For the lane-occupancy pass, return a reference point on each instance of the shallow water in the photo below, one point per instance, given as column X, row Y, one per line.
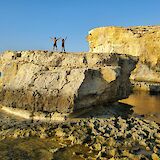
column 145, row 104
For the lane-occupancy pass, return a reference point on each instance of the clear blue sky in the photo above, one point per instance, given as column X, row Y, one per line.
column 28, row 24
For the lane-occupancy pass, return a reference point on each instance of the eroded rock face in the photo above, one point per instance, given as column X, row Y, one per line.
column 55, row 82
column 141, row 41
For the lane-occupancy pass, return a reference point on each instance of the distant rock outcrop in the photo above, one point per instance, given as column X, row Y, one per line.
column 54, row 82
column 141, row 41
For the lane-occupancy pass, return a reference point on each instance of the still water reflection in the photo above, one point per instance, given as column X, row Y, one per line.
column 144, row 103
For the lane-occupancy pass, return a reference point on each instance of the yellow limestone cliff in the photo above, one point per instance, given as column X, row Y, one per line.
column 141, row 41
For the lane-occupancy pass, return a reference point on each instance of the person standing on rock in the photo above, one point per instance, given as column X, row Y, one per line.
column 55, row 43
column 63, row 44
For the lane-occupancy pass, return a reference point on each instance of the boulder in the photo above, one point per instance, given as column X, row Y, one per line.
column 55, row 82
column 141, row 41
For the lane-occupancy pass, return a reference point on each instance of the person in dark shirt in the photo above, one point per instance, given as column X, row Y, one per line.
column 63, row 44
column 55, row 43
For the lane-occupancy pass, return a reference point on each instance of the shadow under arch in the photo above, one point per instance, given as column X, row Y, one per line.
column 117, row 109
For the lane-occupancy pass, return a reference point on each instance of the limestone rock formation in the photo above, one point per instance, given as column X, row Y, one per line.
column 55, row 82
column 141, row 41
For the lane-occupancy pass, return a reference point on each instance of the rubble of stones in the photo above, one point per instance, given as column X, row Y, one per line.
column 118, row 138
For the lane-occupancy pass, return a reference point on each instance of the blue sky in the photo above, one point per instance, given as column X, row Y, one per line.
column 28, row 24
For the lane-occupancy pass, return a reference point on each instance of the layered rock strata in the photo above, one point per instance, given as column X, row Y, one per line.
column 141, row 41
column 54, row 82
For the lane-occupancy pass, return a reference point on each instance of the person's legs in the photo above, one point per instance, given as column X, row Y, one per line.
column 54, row 47
column 63, row 49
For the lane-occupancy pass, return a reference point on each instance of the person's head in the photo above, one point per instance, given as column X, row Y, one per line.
column 54, row 37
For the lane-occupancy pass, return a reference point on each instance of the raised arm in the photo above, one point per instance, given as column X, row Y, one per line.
column 65, row 38
column 58, row 38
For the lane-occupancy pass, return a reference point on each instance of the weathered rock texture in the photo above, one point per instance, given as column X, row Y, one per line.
column 54, row 82
column 141, row 41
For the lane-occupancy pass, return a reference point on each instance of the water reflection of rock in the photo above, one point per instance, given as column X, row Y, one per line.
column 145, row 104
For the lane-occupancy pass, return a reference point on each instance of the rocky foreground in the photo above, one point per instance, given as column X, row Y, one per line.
column 86, row 138
column 140, row 41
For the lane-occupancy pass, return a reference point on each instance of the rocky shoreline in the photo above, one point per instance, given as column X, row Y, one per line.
column 101, row 138
column 152, row 87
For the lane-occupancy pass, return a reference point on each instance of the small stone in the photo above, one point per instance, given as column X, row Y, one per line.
column 15, row 135
column 157, row 135
column 155, row 156
column 101, row 129
column 71, row 138
column 100, row 139
column 143, row 143
column 134, row 136
column 97, row 146
column 112, row 152
column 55, row 150
column 111, row 142
column 147, row 148
column 27, row 134
column 157, row 141
column 106, row 135
column 43, row 135
column 59, row 132
column 129, row 155
column 155, row 149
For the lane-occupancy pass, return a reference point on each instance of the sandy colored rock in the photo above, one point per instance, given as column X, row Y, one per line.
column 141, row 41
column 155, row 156
column 135, row 41
column 55, row 82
